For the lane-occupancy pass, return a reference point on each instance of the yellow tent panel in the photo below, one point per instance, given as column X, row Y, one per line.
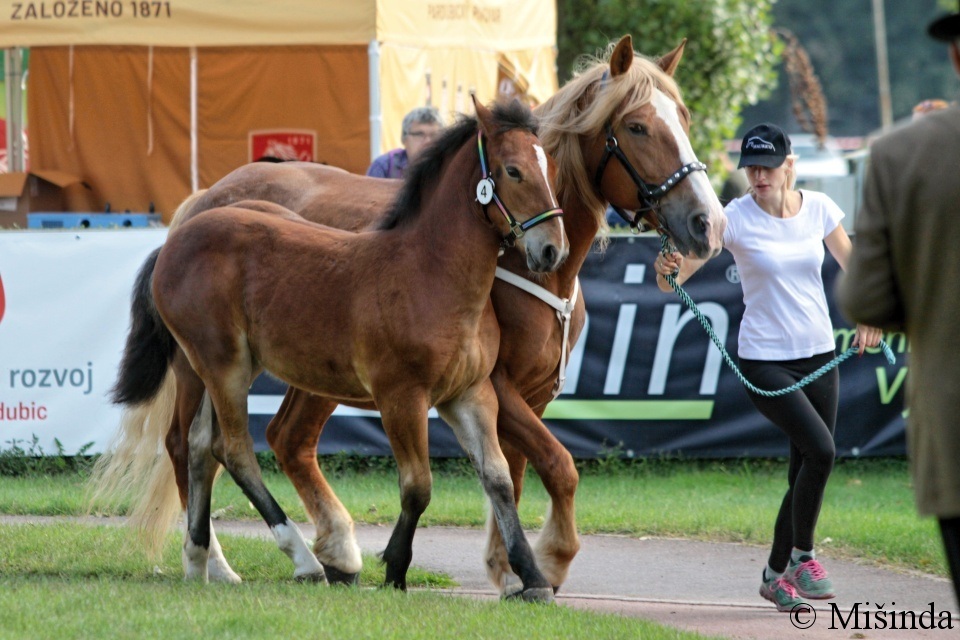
column 147, row 109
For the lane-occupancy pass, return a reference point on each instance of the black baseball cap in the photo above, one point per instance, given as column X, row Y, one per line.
column 766, row 145
column 946, row 27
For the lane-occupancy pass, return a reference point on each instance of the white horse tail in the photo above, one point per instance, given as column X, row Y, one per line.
column 137, row 472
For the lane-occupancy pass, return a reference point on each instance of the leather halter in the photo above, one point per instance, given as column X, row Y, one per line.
column 517, row 229
column 648, row 194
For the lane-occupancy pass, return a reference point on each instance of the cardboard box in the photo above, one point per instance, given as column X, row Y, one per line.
column 23, row 192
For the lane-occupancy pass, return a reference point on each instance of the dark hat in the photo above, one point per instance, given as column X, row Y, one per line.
column 766, row 145
column 946, row 27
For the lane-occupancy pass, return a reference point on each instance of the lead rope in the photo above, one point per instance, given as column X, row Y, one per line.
column 671, row 280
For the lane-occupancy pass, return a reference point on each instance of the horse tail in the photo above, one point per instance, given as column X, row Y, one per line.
column 135, row 469
column 150, row 345
column 136, row 472
column 185, row 209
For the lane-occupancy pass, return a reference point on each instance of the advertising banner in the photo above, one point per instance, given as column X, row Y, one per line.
column 643, row 380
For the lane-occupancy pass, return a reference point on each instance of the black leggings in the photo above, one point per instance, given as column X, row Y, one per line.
column 808, row 417
column 950, row 530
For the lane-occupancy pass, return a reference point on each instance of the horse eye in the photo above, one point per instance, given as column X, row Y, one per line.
column 637, row 129
column 513, row 172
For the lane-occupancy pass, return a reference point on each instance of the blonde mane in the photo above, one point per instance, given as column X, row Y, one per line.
column 583, row 107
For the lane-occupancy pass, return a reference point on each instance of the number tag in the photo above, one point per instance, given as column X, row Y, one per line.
column 485, row 191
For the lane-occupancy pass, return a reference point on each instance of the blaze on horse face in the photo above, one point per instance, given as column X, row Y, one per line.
column 653, row 137
column 524, row 175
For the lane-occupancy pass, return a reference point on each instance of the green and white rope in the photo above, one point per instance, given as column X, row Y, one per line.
column 671, row 280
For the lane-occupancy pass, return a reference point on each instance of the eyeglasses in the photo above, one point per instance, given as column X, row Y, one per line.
column 421, row 134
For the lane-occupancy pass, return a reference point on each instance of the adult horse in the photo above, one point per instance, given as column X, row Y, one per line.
column 619, row 134
column 320, row 308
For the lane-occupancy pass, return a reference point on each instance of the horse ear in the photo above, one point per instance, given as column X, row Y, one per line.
column 622, row 56
column 669, row 62
column 484, row 117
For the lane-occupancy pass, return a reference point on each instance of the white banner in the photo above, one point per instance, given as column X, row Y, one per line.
column 64, row 317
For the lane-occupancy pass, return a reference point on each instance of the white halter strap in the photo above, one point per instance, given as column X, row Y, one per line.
column 563, row 306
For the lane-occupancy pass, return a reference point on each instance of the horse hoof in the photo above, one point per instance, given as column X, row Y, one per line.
column 317, row 577
column 542, row 595
column 341, row 578
column 512, row 586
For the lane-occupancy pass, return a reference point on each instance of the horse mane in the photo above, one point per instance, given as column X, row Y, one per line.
column 584, row 106
column 426, row 170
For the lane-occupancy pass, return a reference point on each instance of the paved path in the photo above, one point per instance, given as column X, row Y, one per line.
column 699, row 586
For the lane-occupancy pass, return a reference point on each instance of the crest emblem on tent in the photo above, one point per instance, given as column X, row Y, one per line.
column 283, row 144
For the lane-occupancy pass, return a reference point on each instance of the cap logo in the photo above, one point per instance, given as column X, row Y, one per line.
column 758, row 143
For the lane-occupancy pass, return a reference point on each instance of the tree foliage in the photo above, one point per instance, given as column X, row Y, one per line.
column 842, row 50
column 729, row 61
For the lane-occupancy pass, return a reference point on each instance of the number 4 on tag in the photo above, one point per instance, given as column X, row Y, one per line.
column 485, row 191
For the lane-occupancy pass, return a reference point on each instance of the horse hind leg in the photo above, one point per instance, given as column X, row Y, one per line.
column 189, row 395
column 201, row 473
column 293, row 435
column 234, row 449
column 474, row 422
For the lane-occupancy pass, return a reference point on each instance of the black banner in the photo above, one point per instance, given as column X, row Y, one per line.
column 646, row 380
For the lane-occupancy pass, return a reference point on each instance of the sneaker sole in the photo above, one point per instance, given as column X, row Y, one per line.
column 781, row 608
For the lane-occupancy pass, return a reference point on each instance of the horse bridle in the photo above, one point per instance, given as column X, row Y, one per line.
column 648, row 194
column 487, row 192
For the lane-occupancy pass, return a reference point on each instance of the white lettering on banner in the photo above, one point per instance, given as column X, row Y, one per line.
column 67, row 310
column 670, row 328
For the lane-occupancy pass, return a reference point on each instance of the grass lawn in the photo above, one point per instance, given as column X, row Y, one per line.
column 868, row 510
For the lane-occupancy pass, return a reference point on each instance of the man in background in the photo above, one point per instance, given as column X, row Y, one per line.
column 419, row 128
column 903, row 276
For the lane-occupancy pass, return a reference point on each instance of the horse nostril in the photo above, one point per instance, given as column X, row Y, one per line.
column 698, row 225
column 549, row 255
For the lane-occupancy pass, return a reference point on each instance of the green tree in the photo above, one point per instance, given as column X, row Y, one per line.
column 729, row 61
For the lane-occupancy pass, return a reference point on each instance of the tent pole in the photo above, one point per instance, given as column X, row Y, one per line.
column 194, row 146
column 13, row 70
column 376, row 116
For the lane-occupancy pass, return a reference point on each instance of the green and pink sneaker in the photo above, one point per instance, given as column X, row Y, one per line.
column 781, row 593
column 810, row 579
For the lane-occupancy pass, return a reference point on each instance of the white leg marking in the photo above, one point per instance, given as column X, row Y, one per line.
column 194, row 561
column 292, row 543
column 218, row 569
column 341, row 549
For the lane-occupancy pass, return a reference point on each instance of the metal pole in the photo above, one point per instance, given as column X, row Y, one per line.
column 376, row 115
column 883, row 68
column 13, row 68
column 194, row 131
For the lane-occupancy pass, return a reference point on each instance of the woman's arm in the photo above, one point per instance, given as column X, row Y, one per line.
column 838, row 242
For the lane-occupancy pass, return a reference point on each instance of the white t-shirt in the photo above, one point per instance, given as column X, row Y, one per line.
column 780, row 261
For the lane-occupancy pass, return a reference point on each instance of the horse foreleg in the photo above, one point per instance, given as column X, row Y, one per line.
column 495, row 557
column 293, row 435
column 405, row 423
column 474, row 419
column 234, row 449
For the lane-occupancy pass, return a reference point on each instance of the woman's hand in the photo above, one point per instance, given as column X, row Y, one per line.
column 867, row 337
column 668, row 265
